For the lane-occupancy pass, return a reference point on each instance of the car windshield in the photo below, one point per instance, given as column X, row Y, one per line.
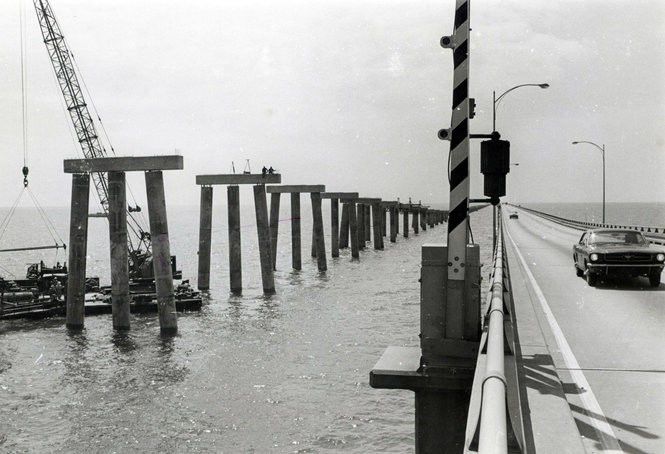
column 616, row 238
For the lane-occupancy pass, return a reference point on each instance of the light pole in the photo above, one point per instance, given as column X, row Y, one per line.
column 496, row 100
column 602, row 151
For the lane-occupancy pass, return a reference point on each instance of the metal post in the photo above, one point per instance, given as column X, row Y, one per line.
column 274, row 226
column 603, row 183
column 235, row 249
column 334, row 227
column 205, row 237
column 318, row 231
column 296, row 258
column 117, row 216
column 78, row 247
column 161, row 251
column 263, row 231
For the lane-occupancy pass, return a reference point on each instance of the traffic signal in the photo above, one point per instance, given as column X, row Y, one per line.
column 494, row 165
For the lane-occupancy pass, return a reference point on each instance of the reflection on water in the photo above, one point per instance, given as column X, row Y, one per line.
column 249, row 373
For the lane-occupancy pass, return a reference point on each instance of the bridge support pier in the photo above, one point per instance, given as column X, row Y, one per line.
column 441, row 371
column 344, row 227
column 296, row 258
column 119, row 256
column 360, row 220
column 405, row 229
column 263, row 230
column 205, row 237
column 235, row 250
column 78, row 248
column 274, row 226
column 334, row 227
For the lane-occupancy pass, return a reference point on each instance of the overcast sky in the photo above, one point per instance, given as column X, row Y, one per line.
column 349, row 94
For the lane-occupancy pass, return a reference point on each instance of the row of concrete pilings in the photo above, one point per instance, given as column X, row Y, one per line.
column 362, row 220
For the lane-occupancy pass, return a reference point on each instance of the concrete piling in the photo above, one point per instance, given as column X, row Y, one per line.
column 78, row 248
column 415, row 223
column 205, row 237
column 263, row 231
column 423, row 218
column 368, row 226
column 117, row 216
column 394, row 222
column 384, row 223
column 344, row 227
column 353, row 227
column 376, row 224
column 405, row 213
column 334, row 227
column 161, row 251
column 314, row 251
column 295, row 231
column 360, row 220
column 319, row 240
column 235, row 249
column 274, row 226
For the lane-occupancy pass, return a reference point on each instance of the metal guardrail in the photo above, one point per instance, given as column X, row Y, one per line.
column 655, row 235
column 493, row 431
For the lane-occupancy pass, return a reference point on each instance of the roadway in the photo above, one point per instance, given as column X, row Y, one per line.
column 606, row 342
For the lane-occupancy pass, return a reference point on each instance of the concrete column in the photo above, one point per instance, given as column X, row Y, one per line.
column 235, row 250
column 384, row 223
column 405, row 212
column 360, row 220
column 314, row 254
column 376, row 224
column 263, row 231
column 119, row 256
column 368, row 224
column 397, row 220
column 334, row 227
column 319, row 240
column 415, row 222
column 161, row 251
column 274, row 226
column 296, row 259
column 353, row 227
column 205, row 237
column 423, row 220
column 472, row 283
column 78, row 249
column 344, row 227
column 393, row 224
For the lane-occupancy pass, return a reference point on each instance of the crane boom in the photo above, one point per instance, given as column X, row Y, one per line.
column 84, row 127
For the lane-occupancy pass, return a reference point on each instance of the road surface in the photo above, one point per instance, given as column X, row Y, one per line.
column 606, row 341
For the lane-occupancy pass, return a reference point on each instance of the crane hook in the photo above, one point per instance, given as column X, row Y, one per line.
column 25, row 176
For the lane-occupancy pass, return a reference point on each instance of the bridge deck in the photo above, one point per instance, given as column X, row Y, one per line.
column 605, row 343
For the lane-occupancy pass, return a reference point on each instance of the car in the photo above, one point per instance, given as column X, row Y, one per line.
column 513, row 216
column 603, row 252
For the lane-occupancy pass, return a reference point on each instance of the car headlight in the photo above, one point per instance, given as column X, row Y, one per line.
column 593, row 257
column 660, row 257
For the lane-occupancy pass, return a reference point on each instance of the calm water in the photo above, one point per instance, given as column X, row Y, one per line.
column 287, row 373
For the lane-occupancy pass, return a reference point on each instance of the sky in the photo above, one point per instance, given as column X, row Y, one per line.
column 349, row 94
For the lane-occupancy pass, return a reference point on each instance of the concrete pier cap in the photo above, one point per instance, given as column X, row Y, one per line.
column 124, row 164
column 238, row 178
column 300, row 188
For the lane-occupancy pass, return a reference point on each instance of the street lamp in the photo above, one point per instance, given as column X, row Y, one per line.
column 496, row 100
column 602, row 150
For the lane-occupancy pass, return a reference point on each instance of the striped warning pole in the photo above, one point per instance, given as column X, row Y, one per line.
column 458, row 135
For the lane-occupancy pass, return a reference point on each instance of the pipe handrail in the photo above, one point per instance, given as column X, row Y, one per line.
column 493, row 436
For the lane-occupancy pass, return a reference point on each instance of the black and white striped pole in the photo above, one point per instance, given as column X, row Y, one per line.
column 441, row 371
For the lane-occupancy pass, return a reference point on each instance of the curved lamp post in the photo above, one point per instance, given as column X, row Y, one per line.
column 602, row 151
column 496, row 100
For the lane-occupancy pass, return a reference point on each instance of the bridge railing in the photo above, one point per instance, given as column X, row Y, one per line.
column 489, row 426
column 655, row 235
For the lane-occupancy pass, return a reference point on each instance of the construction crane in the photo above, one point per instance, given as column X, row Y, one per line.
column 86, row 132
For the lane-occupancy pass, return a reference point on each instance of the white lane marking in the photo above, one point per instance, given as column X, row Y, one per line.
column 595, row 414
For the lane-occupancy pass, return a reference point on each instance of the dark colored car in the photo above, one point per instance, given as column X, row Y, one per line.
column 603, row 252
column 513, row 216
